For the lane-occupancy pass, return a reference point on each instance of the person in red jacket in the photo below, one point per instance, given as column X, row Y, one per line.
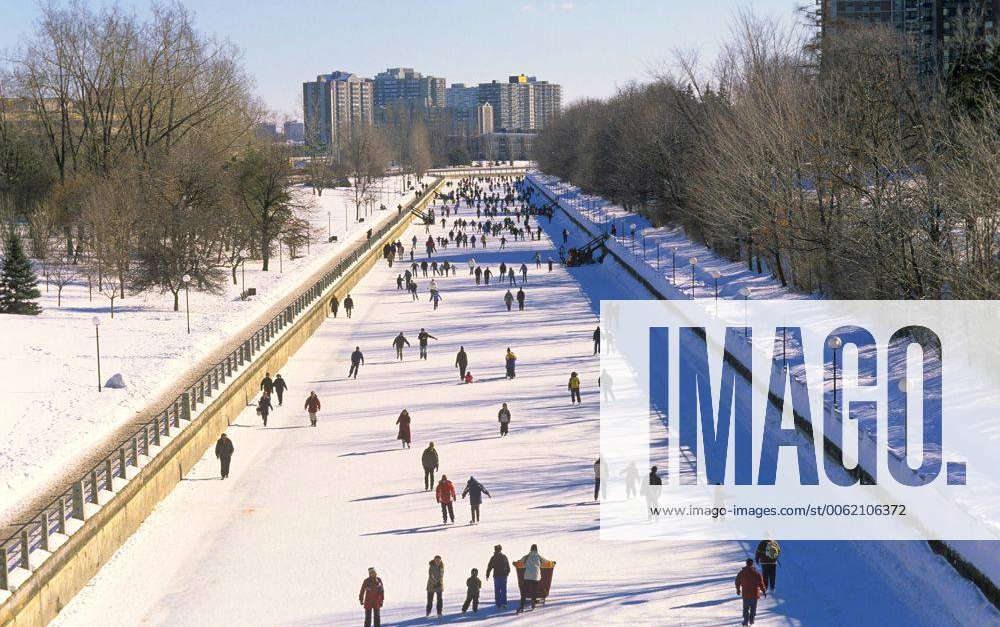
column 445, row 494
column 750, row 585
column 371, row 597
column 312, row 406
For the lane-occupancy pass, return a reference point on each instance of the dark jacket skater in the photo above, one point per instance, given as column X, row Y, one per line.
column 264, row 407
column 279, row 387
column 472, row 586
column 475, row 491
column 348, row 305
column 398, row 344
column 224, row 451
column 357, row 358
column 500, row 567
column 461, row 362
column 334, row 305
column 508, row 300
column 267, row 383
column 429, row 460
column 520, row 299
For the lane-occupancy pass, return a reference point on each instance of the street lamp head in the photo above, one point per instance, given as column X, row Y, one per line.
column 186, row 279
column 902, row 385
column 745, row 292
column 835, row 342
column 693, row 261
column 715, row 274
column 96, row 321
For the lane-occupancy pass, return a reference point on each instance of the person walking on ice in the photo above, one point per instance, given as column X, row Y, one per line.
column 508, row 300
column 334, row 305
column 472, row 586
column 435, row 584
column 404, row 428
column 357, row 359
column 264, row 407
column 767, row 554
column 398, row 344
column 279, row 388
column 224, row 451
column 510, row 360
column 520, row 299
column 631, row 474
column 597, row 340
column 574, row 388
column 267, row 384
column 312, row 406
column 600, row 472
column 475, row 491
column 750, row 586
column 461, row 362
column 500, row 567
column 445, row 496
column 435, row 299
column 429, row 460
column 503, row 417
column 422, row 338
column 532, row 577
column 371, row 597
column 348, row 305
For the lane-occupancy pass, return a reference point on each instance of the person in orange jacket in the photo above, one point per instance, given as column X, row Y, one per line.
column 371, row 597
column 312, row 406
column 445, row 494
column 750, row 585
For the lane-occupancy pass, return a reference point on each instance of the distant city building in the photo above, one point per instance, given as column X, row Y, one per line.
column 506, row 146
column 523, row 103
column 266, row 131
column 333, row 105
column 294, row 131
column 405, row 84
column 930, row 23
column 484, row 119
column 461, row 97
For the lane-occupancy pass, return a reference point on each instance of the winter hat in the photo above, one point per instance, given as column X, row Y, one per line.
column 497, row 548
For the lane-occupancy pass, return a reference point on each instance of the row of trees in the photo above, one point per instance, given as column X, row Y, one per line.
column 830, row 163
column 127, row 154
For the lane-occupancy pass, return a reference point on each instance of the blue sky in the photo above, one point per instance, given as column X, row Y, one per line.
column 588, row 46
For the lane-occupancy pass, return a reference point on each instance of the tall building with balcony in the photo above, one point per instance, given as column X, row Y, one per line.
column 335, row 104
column 409, row 86
column 523, row 103
column 484, row 119
column 930, row 24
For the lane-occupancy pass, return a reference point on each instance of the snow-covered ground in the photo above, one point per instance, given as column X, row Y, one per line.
column 53, row 414
column 288, row 538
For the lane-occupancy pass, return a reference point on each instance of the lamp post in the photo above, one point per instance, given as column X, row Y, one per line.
column 97, row 334
column 243, row 264
column 186, row 280
column 715, row 278
column 835, row 343
column 745, row 291
column 657, row 256
column 693, row 261
column 329, row 225
column 632, row 229
column 673, row 265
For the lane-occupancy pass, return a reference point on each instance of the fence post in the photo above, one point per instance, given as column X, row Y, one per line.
column 121, row 462
column 201, row 391
column 77, row 511
column 166, row 424
column 107, row 475
column 156, row 432
column 93, row 486
column 25, row 549
column 45, row 530
column 135, row 450
column 186, row 405
column 62, row 515
column 3, row 568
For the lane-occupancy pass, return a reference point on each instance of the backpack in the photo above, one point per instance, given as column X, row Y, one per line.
column 772, row 550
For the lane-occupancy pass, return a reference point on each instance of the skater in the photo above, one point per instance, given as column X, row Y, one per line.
column 600, row 470
column 510, row 276
column 279, row 388
column 357, row 359
column 631, row 474
column 224, row 451
column 750, row 586
column 435, row 584
column 412, row 289
column 597, row 340
column 532, row 576
column 524, row 274
column 574, row 388
column 565, row 235
column 500, row 567
column 652, row 489
column 371, row 597
column 486, row 276
column 550, row 264
column 423, row 336
column 348, row 305
column 436, row 299
column 503, row 417
column 267, row 384
column 510, row 359
column 312, row 406
column 472, row 586
column 475, row 491
column 767, row 554
column 461, row 362
column 520, row 300
column 404, row 428
column 538, row 261
column 479, row 275
column 445, row 496
column 508, row 300
column 398, row 343
column 468, row 377
column 334, row 305
column 429, row 460
column 264, row 406
column 399, row 281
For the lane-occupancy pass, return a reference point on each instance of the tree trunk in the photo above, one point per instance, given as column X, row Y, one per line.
column 264, row 253
column 177, row 298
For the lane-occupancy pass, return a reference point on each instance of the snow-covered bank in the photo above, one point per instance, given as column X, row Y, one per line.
column 54, row 414
column 713, row 275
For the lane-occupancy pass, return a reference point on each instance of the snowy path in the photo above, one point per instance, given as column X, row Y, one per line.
column 286, row 540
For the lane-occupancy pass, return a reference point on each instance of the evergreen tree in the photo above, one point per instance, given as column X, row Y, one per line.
column 18, row 283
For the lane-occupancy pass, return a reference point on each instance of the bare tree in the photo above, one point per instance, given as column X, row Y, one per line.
column 365, row 160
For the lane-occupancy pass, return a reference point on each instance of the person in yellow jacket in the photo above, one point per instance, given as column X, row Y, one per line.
column 574, row 388
column 511, row 361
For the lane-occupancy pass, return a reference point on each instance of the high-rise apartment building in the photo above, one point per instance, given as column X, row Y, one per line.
column 405, row 84
column 294, row 131
column 523, row 103
column 484, row 119
column 333, row 105
column 931, row 24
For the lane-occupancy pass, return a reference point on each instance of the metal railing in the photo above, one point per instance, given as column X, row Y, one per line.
column 479, row 171
column 71, row 505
